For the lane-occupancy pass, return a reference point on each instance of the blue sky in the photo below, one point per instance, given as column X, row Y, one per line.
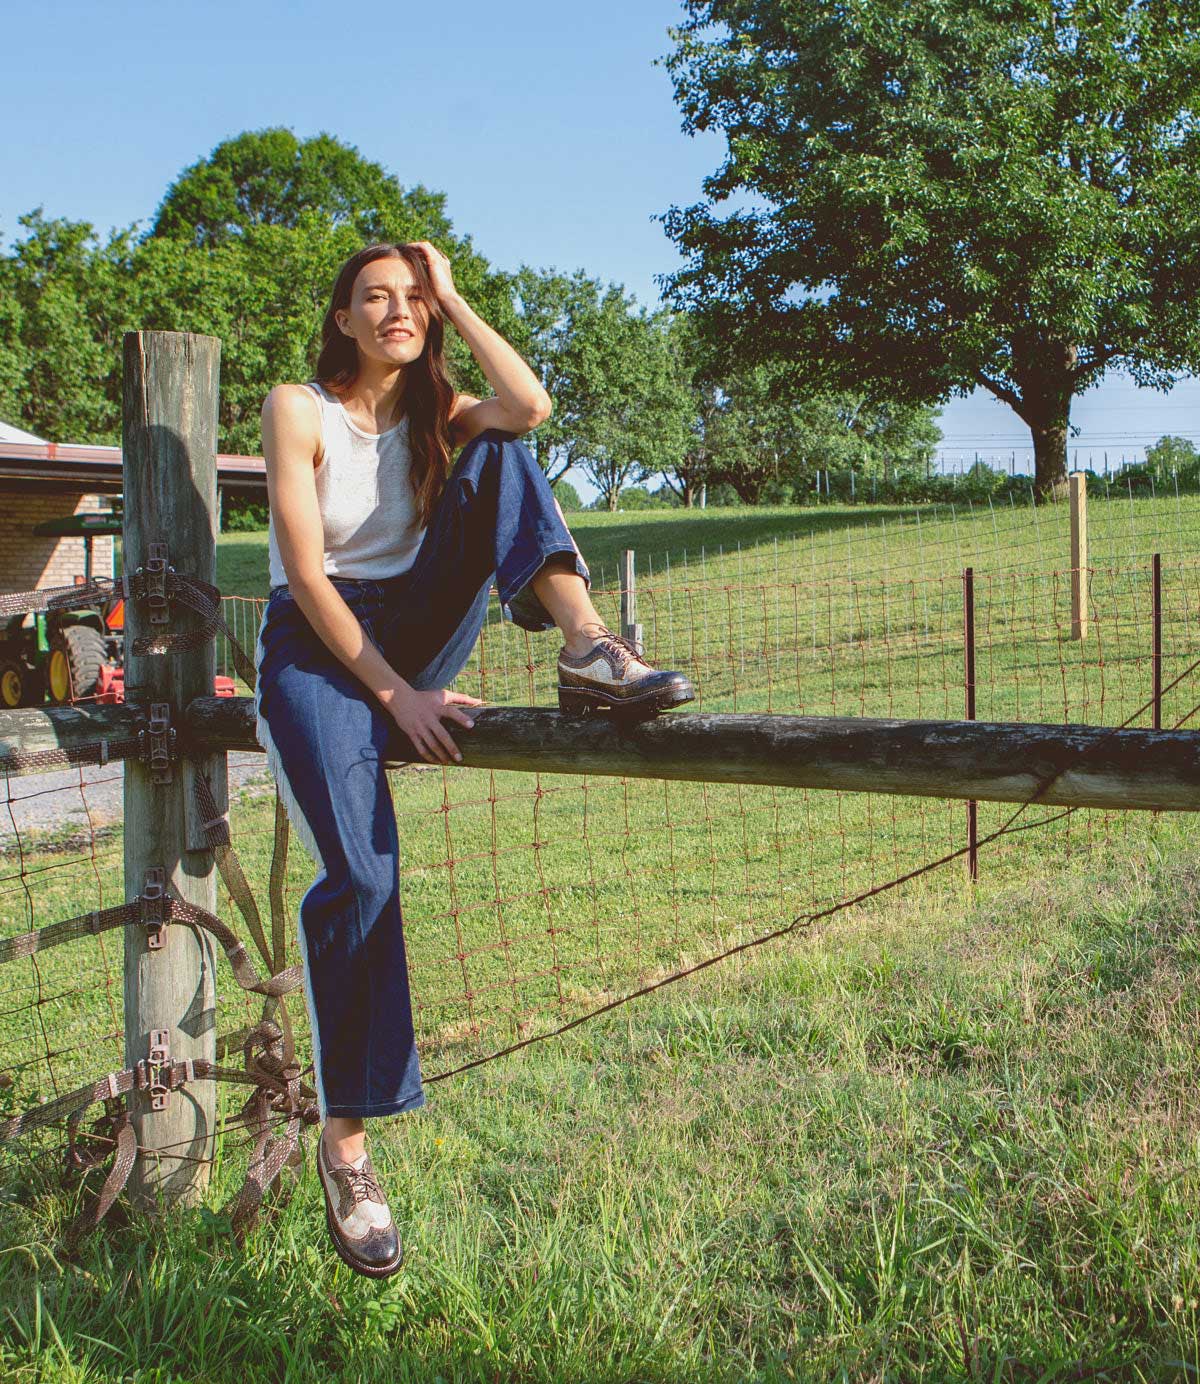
column 554, row 136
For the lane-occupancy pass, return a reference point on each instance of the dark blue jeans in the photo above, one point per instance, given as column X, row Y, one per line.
column 327, row 738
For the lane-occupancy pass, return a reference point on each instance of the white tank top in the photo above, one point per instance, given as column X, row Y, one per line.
column 364, row 490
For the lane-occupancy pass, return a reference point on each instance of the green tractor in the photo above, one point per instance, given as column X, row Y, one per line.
column 66, row 655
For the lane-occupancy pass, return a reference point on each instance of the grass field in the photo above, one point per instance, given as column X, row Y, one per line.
column 946, row 1134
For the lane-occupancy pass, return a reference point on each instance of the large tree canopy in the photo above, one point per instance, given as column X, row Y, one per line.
column 271, row 178
column 950, row 193
column 245, row 247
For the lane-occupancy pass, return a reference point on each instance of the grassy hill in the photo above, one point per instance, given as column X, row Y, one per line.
column 946, row 1133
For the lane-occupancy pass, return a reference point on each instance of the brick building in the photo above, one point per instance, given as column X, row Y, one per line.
column 49, row 480
column 28, row 561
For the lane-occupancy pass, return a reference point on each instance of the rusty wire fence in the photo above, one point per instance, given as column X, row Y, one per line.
column 531, row 898
column 921, row 541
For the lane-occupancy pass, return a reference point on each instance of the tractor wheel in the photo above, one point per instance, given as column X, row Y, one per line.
column 73, row 667
column 18, row 684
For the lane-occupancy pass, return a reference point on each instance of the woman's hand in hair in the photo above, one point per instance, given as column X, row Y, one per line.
column 439, row 272
column 419, row 715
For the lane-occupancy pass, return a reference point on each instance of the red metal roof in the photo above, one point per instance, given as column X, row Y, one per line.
column 99, row 468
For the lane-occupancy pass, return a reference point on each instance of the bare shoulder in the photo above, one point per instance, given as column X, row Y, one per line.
column 286, row 402
column 291, row 423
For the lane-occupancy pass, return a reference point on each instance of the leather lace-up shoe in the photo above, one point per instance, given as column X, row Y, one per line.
column 360, row 1223
column 614, row 676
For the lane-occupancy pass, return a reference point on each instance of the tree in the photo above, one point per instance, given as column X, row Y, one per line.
column 64, row 304
column 552, row 309
column 567, row 497
column 952, row 194
column 271, row 178
column 851, row 430
column 770, row 434
column 254, row 268
column 284, row 213
column 633, row 406
column 757, row 432
column 1172, row 454
column 693, row 368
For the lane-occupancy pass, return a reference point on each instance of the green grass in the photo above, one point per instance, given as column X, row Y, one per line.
column 855, row 611
column 835, row 542
column 944, row 1140
column 946, row 1135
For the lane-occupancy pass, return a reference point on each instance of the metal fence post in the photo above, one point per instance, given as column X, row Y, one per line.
column 969, row 686
column 1079, row 555
column 1156, row 623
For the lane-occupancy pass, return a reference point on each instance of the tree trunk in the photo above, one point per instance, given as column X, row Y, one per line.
column 1044, row 372
column 747, row 488
column 1050, row 460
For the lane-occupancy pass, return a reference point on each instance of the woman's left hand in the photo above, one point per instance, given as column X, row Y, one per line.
column 439, row 271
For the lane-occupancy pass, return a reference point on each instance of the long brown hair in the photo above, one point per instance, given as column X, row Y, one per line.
column 428, row 387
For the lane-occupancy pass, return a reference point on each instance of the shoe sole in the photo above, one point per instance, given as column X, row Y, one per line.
column 582, row 701
column 367, row 1270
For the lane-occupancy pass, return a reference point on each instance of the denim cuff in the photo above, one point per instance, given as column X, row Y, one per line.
column 371, row 1111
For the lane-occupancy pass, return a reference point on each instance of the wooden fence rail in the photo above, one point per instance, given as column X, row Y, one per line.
column 1086, row 766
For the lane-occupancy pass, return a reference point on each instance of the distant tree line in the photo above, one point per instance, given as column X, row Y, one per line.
column 244, row 246
column 946, row 196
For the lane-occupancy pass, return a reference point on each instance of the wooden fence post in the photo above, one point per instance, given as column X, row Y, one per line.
column 169, row 440
column 630, row 629
column 1079, row 555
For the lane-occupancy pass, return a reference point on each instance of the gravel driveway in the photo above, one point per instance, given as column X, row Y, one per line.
column 57, row 802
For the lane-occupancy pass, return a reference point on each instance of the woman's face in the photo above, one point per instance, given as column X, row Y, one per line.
column 387, row 315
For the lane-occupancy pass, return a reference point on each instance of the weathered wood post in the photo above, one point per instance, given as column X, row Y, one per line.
column 630, row 629
column 1079, row 555
column 169, row 440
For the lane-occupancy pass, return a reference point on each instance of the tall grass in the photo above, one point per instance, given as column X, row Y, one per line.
column 949, row 1139
column 946, row 1134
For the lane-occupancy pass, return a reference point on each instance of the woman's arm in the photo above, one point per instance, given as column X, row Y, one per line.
column 291, row 435
column 520, row 402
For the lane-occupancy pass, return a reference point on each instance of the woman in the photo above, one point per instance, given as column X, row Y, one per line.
column 380, row 568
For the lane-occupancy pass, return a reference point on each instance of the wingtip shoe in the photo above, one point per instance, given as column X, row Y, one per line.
column 356, row 1212
column 614, row 676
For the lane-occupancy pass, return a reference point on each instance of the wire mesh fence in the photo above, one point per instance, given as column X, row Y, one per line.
column 931, row 540
column 530, row 898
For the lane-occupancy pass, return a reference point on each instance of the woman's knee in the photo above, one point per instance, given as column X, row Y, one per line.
column 494, row 448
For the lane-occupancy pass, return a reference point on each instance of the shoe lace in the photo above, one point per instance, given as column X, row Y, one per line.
column 627, row 647
column 362, row 1183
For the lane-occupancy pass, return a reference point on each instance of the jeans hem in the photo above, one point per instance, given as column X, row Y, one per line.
column 546, row 623
column 387, row 1107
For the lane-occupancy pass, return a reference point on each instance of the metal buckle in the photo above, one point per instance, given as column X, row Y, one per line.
column 152, row 901
column 157, row 744
column 149, row 1071
column 155, row 586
